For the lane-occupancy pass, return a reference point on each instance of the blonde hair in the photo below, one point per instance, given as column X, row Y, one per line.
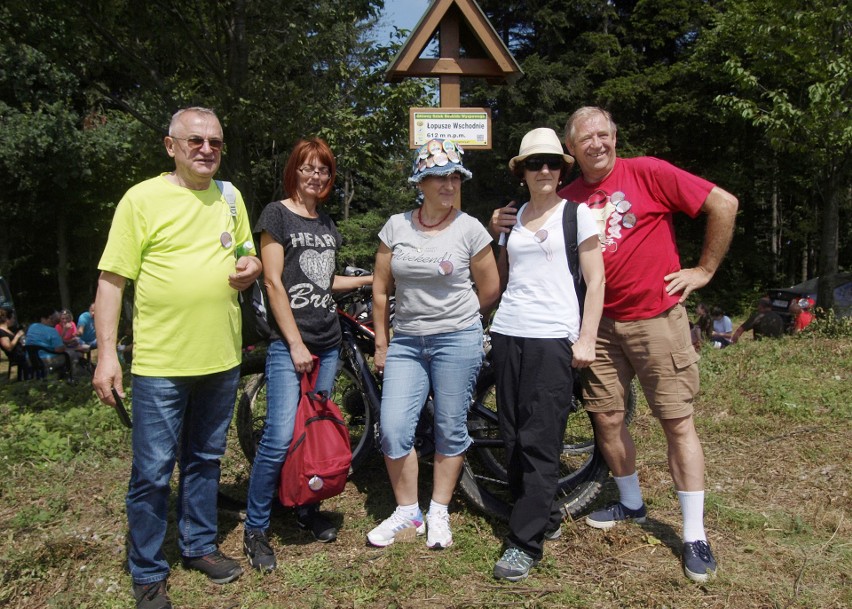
column 586, row 112
column 195, row 110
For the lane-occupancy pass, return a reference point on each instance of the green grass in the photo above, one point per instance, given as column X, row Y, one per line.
column 775, row 418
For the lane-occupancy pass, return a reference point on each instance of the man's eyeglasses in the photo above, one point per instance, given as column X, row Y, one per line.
column 535, row 163
column 195, row 142
column 307, row 170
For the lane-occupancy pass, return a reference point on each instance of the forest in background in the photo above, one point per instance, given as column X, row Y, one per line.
column 753, row 95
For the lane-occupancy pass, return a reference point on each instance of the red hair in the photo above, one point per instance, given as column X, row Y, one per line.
column 314, row 148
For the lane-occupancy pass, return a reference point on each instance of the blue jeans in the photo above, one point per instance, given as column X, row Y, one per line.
column 283, row 392
column 184, row 419
column 447, row 362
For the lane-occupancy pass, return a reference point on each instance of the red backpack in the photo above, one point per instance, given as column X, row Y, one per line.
column 318, row 461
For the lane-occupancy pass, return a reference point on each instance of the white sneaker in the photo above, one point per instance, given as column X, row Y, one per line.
column 397, row 528
column 439, row 536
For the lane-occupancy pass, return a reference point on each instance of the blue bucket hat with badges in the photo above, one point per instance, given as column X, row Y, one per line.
column 438, row 158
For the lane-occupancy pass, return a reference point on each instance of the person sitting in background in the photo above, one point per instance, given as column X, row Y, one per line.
column 763, row 323
column 722, row 327
column 702, row 320
column 68, row 331
column 86, row 327
column 67, row 328
column 12, row 343
column 801, row 309
column 43, row 334
column 695, row 336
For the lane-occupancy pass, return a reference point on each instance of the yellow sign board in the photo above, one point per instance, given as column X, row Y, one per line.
column 470, row 127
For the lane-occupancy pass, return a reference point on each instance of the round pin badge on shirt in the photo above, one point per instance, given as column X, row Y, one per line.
column 629, row 220
column 616, row 196
column 445, row 267
column 623, row 206
column 226, row 240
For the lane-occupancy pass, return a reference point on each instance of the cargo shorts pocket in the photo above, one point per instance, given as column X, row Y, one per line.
column 685, row 357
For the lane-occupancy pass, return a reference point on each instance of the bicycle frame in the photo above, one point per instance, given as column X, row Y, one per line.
column 358, row 393
column 355, row 332
column 352, row 354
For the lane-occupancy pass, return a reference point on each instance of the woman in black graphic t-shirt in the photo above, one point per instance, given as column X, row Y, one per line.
column 298, row 246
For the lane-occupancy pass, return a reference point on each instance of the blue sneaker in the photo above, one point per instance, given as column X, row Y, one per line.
column 514, row 565
column 614, row 513
column 698, row 562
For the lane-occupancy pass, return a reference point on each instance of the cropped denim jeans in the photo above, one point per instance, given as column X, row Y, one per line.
column 283, row 392
column 182, row 419
column 448, row 363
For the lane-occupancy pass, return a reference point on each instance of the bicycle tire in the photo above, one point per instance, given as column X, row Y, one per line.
column 359, row 419
column 484, row 478
column 251, row 410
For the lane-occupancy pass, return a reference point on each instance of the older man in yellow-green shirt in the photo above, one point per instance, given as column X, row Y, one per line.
column 187, row 246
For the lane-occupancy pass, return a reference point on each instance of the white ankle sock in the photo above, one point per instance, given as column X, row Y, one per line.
column 629, row 493
column 692, row 507
column 409, row 511
column 437, row 508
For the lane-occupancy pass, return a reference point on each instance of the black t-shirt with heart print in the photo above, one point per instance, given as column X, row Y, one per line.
column 310, row 248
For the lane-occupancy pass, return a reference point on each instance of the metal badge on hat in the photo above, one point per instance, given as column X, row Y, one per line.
column 437, row 153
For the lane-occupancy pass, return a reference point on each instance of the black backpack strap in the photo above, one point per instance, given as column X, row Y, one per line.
column 572, row 250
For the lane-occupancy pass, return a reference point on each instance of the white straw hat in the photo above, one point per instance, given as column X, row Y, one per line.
column 540, row 141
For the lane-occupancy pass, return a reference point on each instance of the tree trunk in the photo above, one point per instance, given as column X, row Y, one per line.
column 62, row 259
column 829, row 241
column 237, row 159
column 776, row 231
column 348, row 193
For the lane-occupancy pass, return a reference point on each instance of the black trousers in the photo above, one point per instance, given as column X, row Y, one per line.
column 533, row 384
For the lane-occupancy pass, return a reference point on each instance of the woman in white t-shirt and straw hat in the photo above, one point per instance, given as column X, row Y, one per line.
column 537, row 336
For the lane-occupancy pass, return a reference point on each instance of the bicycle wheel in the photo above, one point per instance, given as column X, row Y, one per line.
column 484, row 479
column 251, row 412
column 347, row 395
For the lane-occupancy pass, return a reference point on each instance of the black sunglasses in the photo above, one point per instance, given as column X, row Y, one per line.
column 535, row 163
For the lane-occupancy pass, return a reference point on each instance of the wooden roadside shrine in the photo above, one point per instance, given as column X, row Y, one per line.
column 468, row 47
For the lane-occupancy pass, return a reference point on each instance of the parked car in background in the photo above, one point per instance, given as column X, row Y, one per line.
column 6, row 296
column 782, row 297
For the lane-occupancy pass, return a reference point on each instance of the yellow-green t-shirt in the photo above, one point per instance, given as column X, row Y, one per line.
column 169, row 241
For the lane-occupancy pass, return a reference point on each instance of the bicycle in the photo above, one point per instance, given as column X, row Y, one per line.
column 357, row 391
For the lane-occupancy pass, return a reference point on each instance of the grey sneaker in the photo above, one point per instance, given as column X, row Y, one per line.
column 218, row 568
column 698, row 562
column 152, row 596
column 259, row 551
column 614, row 513
column 514, row 565
column 554, row 534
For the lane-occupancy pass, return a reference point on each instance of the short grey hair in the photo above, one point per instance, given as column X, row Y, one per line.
column 195, row 110
column 583, row 113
